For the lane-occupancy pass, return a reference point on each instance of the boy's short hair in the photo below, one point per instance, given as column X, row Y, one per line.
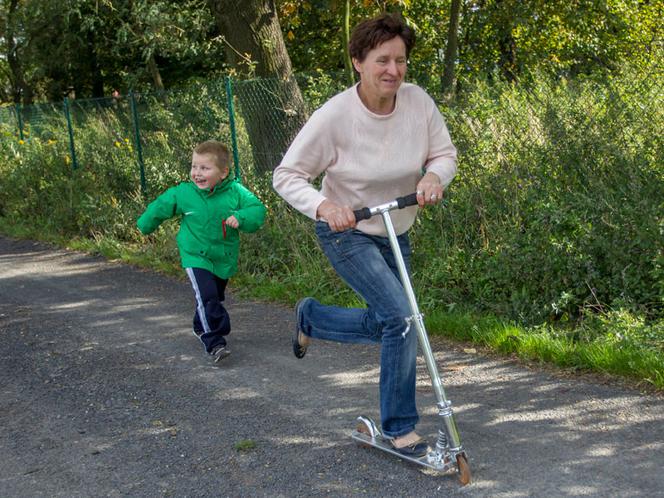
column 216, row 149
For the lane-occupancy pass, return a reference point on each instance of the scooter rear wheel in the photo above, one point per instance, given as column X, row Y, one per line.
column 364, row 429
column 463, row 469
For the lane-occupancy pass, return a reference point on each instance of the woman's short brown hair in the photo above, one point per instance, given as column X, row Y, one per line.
column 370, row 33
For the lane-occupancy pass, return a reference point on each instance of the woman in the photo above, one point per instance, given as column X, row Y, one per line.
column 375, row 141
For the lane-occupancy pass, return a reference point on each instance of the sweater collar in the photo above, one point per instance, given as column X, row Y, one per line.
column 356, row 95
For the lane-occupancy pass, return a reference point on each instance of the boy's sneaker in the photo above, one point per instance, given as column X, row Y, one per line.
column 219, row 353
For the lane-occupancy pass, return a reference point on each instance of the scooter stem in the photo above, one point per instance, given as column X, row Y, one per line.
column 444, row 406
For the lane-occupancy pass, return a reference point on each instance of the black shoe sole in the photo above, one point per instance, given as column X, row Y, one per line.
column 298, row 350
column 416, row 451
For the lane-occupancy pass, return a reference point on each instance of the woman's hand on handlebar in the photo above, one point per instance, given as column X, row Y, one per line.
column 429, row 190
column 338, row 217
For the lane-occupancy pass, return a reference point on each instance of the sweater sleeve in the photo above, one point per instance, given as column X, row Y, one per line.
column 158, row 211
column 442, row 153
column 310, row 154
column 251, row 211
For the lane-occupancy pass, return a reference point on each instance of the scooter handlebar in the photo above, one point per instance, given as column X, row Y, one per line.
column 362, row 214
column 402, row 202
column 407, row 200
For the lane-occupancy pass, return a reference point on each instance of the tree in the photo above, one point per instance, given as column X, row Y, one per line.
column 12, row 48
column 96, row 46
column 509, row 38
column 164, row 35
column 348, row 64
column 273, row 108
column 52, row 47
column 451, row 49
column 317, row 40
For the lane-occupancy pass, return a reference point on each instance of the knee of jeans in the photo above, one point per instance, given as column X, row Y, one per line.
column 398, row 326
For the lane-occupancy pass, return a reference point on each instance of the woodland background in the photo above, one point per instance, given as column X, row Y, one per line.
column 89, row 48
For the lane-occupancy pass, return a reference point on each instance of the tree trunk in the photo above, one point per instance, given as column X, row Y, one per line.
column 506, row 46
column 20, row 90
column 348, row 64
column 464, row 44
column 272, row 106
column 447, row 82
column 95, row 70
column 154, row 72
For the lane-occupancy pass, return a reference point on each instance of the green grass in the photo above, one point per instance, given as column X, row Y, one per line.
column 630, row 361
column 245, row 445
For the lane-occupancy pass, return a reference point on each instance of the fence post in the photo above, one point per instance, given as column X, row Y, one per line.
column 72, row 148
column 231, row 117
column 137, row 141
column 19, row 119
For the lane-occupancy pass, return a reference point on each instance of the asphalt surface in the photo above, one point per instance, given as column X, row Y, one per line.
column 106, row 392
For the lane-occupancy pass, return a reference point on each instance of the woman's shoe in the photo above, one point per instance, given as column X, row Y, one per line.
column 299, row 339
column 410, row 445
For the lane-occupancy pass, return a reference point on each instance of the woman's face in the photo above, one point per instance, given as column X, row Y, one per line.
column 383, row 69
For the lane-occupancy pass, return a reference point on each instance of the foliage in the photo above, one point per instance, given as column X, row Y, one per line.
column 498, row 38
column 314, row 38
column 94, row 47
column 553, row 225
column 511, row 37
column 41, row 189
column 562, row 212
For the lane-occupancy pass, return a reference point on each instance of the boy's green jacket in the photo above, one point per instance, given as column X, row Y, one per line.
column 204, row 239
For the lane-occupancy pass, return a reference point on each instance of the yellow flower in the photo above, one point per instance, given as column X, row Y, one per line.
column 21, row 142
column 118, row 144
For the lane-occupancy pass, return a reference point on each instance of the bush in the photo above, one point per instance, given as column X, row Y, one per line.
column 557, row 206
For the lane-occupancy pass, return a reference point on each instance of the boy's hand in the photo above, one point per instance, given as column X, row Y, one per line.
column 232, row 222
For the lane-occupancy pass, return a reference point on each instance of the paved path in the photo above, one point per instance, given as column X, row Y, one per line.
column 105, row 392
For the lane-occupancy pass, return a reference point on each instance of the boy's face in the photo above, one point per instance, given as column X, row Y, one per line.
column 204, row 171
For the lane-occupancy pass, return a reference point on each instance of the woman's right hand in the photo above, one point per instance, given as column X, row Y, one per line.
column 338, row 217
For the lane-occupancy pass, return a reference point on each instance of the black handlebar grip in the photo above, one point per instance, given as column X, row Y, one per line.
column 407, row 200
column 362, row 214
column 402, row 202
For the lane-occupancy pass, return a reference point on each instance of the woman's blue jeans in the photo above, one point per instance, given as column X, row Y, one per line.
column 367, row 265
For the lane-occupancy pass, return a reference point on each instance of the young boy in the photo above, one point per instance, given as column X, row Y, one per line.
column 213, row 208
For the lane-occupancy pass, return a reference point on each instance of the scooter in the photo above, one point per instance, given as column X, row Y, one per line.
column 448, row 454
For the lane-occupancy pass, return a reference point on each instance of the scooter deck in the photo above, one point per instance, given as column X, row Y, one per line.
column 429, row 460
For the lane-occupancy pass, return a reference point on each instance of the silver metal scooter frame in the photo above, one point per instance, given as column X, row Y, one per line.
column 448, row 453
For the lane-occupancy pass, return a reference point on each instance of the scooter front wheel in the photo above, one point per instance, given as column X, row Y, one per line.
column 463, row 469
